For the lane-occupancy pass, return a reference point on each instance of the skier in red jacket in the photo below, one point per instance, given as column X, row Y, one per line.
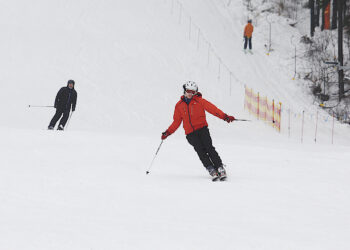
column 190, row 110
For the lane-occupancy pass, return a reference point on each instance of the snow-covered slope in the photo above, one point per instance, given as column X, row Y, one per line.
column 86, row 188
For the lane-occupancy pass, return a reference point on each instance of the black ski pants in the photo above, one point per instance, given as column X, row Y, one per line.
column 246, row 41
column 57, row 116
column 202, row 143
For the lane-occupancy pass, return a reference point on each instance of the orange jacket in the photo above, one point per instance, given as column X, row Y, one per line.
column 248, row 30
column 193, row 114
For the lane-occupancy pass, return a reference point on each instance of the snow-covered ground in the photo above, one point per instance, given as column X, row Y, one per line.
column 86, row 187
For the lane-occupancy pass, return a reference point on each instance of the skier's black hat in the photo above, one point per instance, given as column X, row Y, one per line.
column 71, row 82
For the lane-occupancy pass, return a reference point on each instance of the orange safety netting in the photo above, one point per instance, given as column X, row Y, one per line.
column 262, row 108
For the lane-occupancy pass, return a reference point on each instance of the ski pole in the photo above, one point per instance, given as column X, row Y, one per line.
column 69, row 120
column 40, row 106
column 147, row 172
column 242, row 120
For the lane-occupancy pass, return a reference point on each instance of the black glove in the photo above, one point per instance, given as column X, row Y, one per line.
column 165, row 134
column 229, row 118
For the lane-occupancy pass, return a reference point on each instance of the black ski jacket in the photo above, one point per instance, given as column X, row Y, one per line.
column 66, row 98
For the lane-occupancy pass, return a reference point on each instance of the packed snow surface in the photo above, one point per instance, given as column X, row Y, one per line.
column 87, row 188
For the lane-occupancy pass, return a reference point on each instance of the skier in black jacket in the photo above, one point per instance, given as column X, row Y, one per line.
column 66, row 99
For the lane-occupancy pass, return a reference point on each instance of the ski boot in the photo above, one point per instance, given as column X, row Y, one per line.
column 60, row 127
column 213, row 173
column 222, row 173
column 50, row 128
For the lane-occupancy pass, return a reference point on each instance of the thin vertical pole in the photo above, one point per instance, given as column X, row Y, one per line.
column 250, row 100
column 69, row 120
column 316, row 126
column 219, row 72
column 273, row 112
column 208, row 53
column 295, row 61
column 245, row 95
column 198, row 39
column 289, row 123
column 190, row 27
column 333, row 129
column 340, row 48
column 295, row 57
column 265, row 108
column 231, row 83
column 270, row 38
column 258, row 105
column 302, row 127
column 280, row 117
column 180, row 14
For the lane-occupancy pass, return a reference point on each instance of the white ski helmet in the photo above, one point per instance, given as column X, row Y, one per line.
column 191, row 86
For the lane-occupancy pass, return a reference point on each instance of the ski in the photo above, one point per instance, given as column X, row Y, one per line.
column 223, row 178
column 216, row 178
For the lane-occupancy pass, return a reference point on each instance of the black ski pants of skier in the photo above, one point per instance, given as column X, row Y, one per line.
column 57, row 116
column 202, row 143
column 246, row 41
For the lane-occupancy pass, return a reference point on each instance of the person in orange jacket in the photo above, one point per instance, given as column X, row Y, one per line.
column 248, row 32
column 190, row 111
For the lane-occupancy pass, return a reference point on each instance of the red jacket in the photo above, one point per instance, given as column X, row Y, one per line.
column 193, row 114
